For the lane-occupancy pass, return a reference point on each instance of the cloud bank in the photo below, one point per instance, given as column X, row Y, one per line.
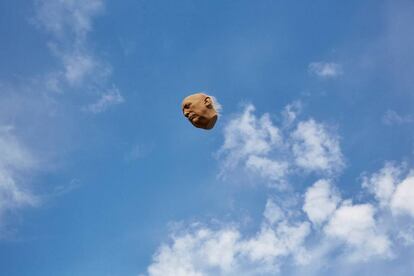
column 320, row 230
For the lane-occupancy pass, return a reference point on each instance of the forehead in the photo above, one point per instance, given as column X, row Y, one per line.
column 194, row 98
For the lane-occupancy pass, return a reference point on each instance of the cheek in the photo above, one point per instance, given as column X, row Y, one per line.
column 200, row 109
column 201, row 120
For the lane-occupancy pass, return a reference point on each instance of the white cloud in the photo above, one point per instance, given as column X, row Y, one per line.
column 270, row 244
column 273, row 213
column 320, row 201
column 402, row 201
column 109, row 98
column 12, row 153
column 69, row 22
column 355, row 225
column 352, row 230
column 391, row 117
column 274, row 153
column 247, row 135
column 343, row 232
column 68, row 17
column 15, row 163
column 291, row 112
column 267, row 168
column 325, row 69
column 391, row 189
column 12, row 195
column 77, row 67
column 225, row 251
column 196, row 253
column 315, row 149
column 406, row 235
column 249, row 140
column 382, row 183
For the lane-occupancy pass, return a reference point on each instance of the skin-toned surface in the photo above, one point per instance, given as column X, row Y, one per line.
column 200, row 111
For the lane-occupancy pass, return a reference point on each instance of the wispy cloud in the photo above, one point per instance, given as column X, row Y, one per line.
column 391, row 117
column 29, row 110
column 109, row 98
column 291, row 112
column 68, row 17
column 31, row 142
column 69, row 23
column 325, row 70
column 16, row 163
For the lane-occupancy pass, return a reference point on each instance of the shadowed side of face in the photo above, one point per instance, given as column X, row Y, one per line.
column 199, row 109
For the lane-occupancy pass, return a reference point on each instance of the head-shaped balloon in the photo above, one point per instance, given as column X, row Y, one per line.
column 199, row 109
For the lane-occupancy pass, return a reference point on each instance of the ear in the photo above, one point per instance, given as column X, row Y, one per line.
column 208, row 102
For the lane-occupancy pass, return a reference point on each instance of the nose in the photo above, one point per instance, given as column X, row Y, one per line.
column 186, row 113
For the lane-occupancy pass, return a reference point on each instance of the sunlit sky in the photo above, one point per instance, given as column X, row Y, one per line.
column 308, row 171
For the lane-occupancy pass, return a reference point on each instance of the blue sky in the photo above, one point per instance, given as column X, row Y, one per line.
column 309, row 170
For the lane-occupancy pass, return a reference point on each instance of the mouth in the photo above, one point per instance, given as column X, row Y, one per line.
column 192, row 117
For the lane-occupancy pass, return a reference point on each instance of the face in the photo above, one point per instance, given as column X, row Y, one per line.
column 199, row 109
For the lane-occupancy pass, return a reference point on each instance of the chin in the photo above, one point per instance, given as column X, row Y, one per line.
column 206, row 123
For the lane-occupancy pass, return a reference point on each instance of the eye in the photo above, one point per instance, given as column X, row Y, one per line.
column 187, row 105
